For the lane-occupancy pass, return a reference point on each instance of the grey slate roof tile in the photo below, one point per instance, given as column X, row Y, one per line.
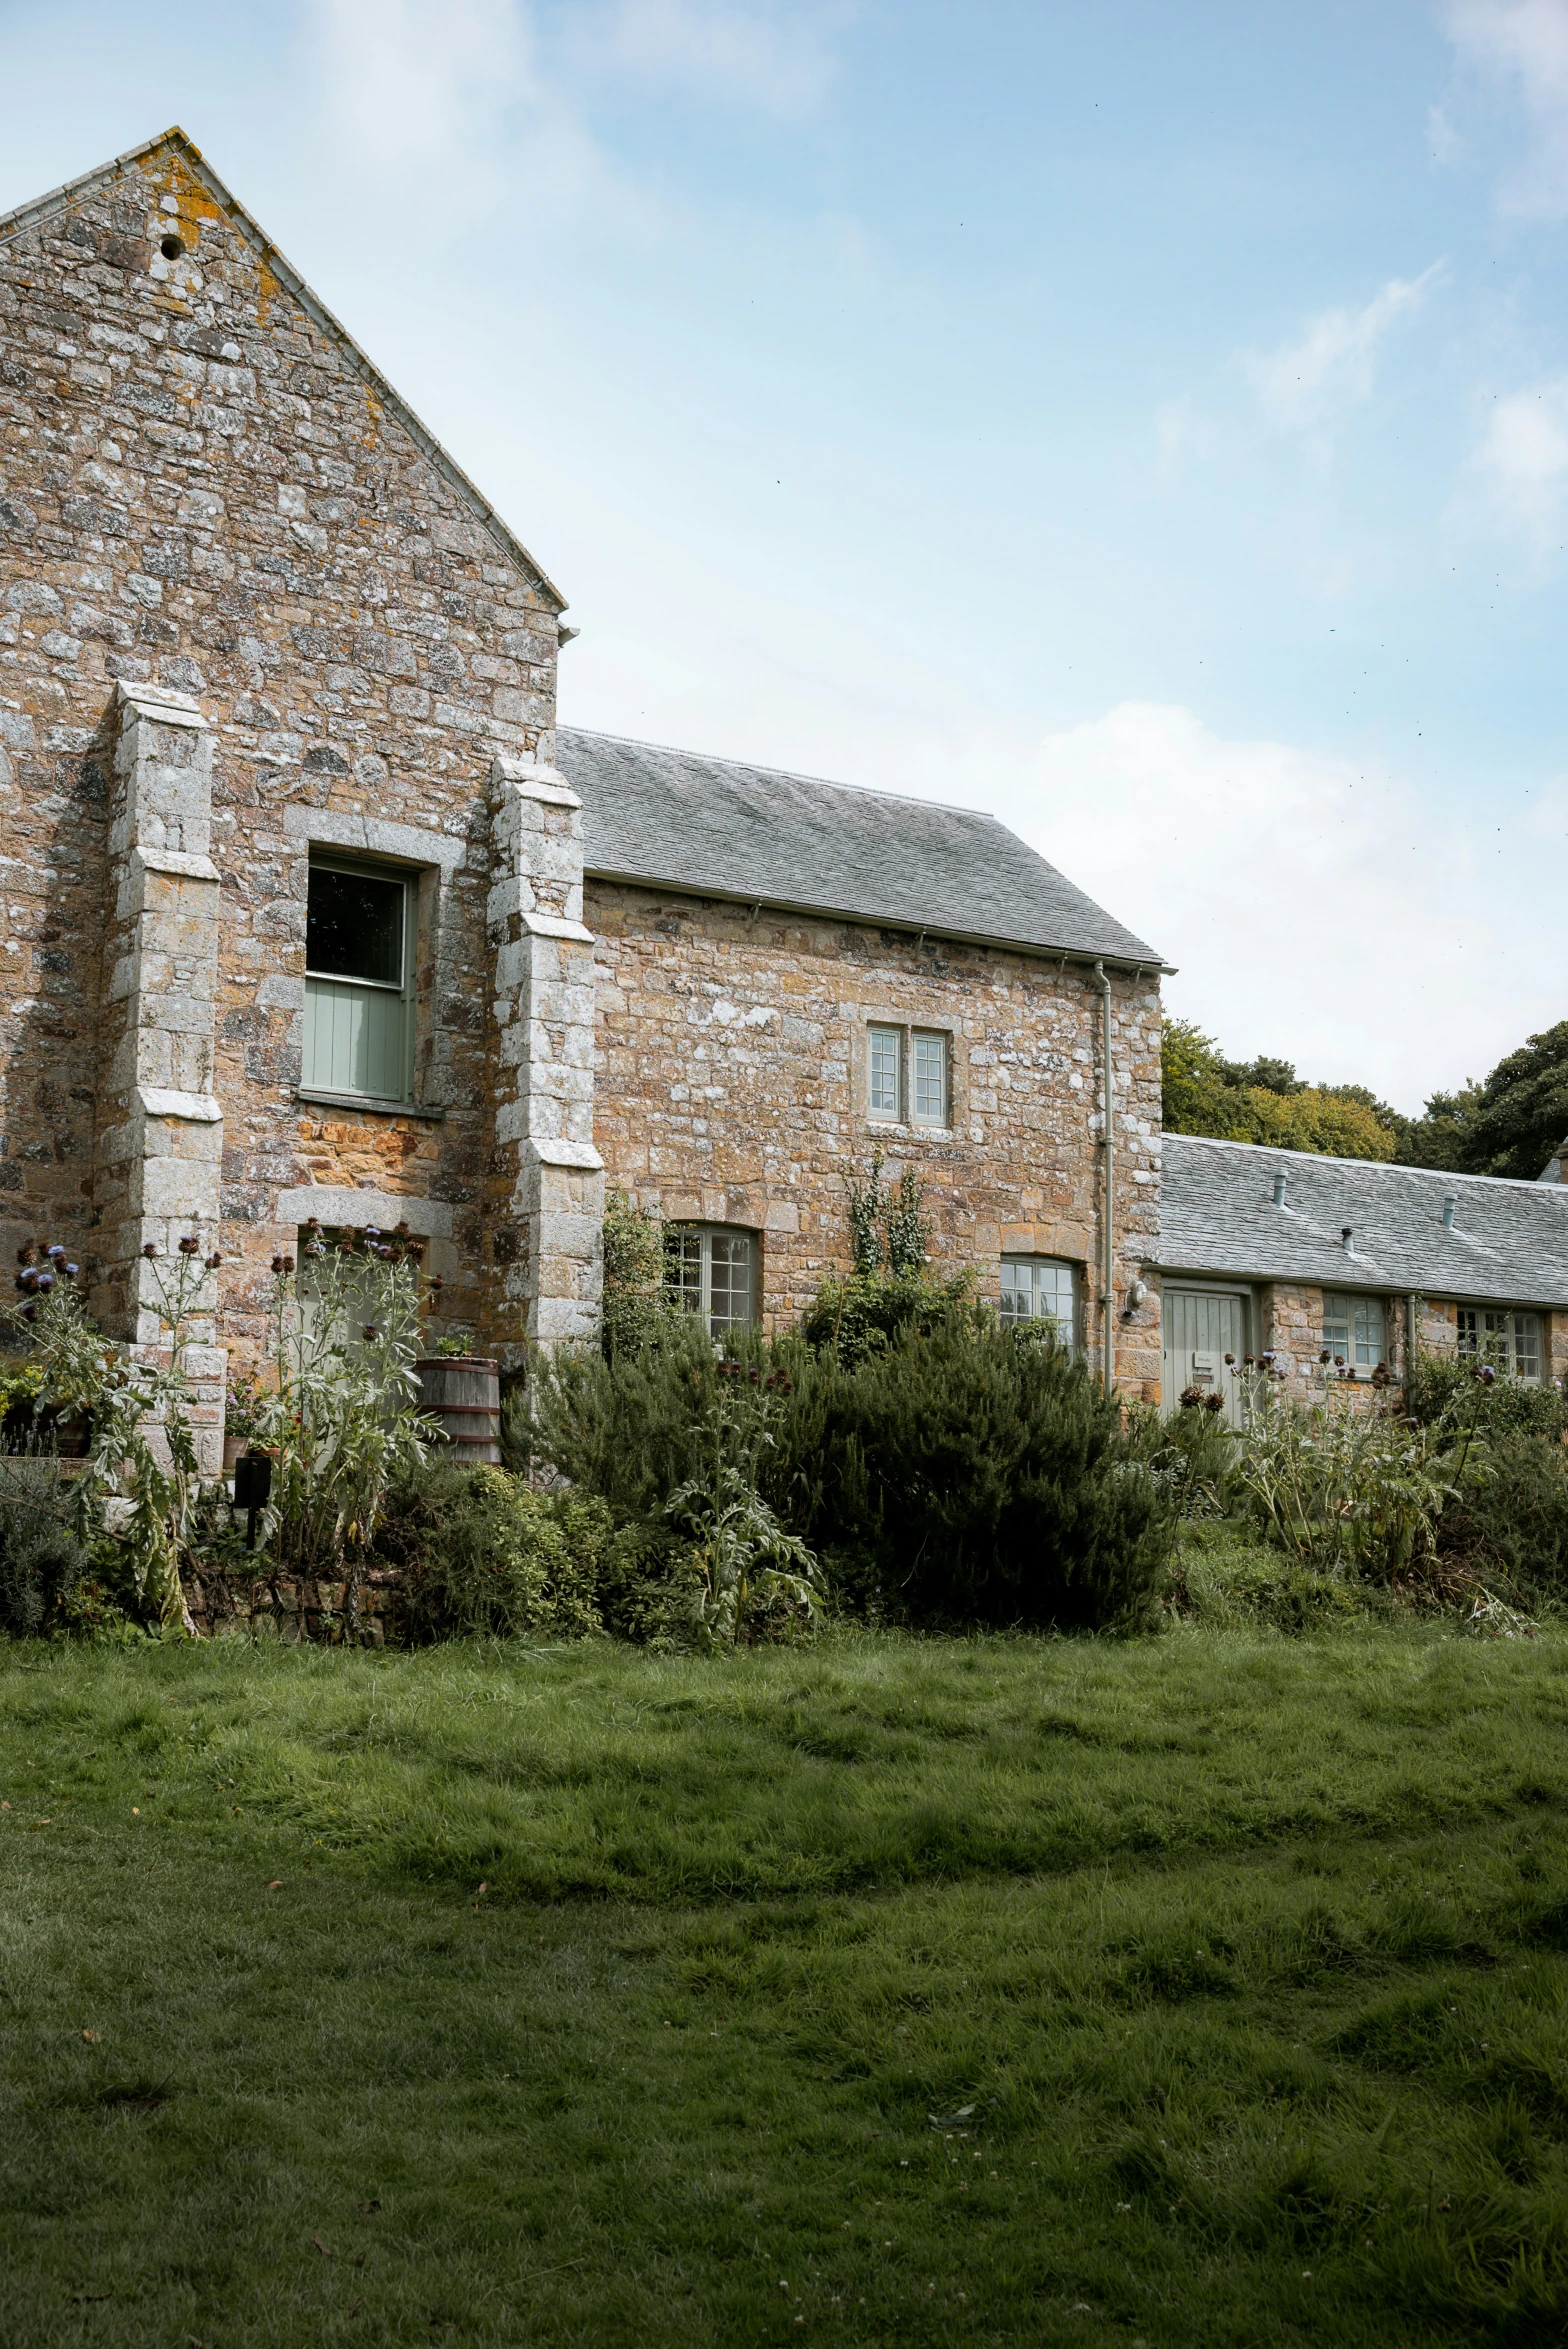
column 1509, row 1244
column 721, row 829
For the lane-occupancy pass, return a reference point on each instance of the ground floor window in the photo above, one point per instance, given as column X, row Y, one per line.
column 1510, row 1341
column 1040, row 1288
column 1353, row 1330
column 712, row 1271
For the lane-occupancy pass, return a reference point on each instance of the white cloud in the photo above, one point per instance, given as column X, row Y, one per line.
column 1442, row 137
column 1331, row 366
column 776, row 57
column 1517, row 481
column 1524, row 44
column 1314, row 908
column 423, row 84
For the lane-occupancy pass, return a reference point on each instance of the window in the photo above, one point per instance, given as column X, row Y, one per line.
column 1511, row 1341
column 930, row 1080
column 908, row 1074
column 1038, row 1288
column 359, row 954
column 886, row 1093
column 1353, row 1331
column 714, row 1273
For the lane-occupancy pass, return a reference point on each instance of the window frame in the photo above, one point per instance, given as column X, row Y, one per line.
column 1481, row 1343
column 1356, row 1300
column 876, row 1032
column 697, row 1299
column 907, row 1039
column 408, row 878
column 1012, row 1260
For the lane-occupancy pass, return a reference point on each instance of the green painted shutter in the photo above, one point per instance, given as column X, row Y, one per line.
column 355, row 1039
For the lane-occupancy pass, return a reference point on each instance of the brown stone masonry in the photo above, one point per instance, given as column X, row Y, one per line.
column 732, row 1088
column 204, row 487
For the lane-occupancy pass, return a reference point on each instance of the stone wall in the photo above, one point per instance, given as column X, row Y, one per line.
column 204, row 487
column 731, row 1088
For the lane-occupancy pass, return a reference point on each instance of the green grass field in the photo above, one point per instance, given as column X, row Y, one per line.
column 1249, row 1955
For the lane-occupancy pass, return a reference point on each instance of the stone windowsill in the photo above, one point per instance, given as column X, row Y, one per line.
column 364, row 1103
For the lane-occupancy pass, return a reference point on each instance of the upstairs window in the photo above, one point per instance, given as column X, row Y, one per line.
column 359, row 956
column 712, row 1271
column 1040, row 1288
column 1353, row 1331
column 1511, row 1342
column 886, row 1087
column 908, row 1075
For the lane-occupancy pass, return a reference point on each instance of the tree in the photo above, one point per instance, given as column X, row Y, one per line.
column 1264, row 1100
column 1512, row 1124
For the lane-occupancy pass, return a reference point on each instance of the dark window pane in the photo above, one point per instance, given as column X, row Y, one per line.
column 354, row 927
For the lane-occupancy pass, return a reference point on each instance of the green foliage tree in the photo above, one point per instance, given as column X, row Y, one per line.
column 1513, row 1123
column 1263, row 1100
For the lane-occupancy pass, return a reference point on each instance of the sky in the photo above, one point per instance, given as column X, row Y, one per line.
column 1147, row 423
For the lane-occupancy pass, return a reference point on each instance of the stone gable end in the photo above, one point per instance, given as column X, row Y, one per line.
column 205, row 490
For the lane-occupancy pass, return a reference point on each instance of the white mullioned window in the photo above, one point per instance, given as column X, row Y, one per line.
column 909, row 1075
column 1510, row 1341
column 359, row 960
column 712, row 1272
column 885, row 1072
column 1353, row 1330
column 930, row 1060
column 1040, row 1288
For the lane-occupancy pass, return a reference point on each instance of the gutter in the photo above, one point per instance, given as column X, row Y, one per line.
column 1108, row 1205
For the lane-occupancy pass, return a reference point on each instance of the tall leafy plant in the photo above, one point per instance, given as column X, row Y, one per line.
column 142, row 1478
column 341, row 1414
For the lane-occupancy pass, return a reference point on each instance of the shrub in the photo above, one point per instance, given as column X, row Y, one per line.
column 480, row 1552
column 858, row 1315
column 1510, row 1518
column 632, row 1428
column 1452, row 1391
column 971, row 1475
column 637, row 1310
column 42, row 1564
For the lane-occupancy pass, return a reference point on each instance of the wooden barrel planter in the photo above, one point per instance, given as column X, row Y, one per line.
column 461, row 1393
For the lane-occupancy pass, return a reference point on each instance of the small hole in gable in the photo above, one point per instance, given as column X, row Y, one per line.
column 171, row 247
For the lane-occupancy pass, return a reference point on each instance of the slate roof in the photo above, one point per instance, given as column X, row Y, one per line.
column 752, row 834
column 42, row 208
column 1509, row 1244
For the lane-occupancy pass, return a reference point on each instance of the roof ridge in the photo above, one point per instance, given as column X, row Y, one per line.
column 1436, row 1174
column 25, row 216
column 713, row 758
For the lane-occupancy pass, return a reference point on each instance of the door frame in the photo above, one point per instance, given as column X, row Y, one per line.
column 1193, row 1285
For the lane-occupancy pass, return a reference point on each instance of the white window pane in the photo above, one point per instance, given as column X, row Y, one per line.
column 886, row 1055
column 1336, row 1327
column 1037, row 1288
column 683, row 1268
column 931, row 1080
column 1527, row 1345
column 729, row 1280
column 1367, row 1333
column 1469, row 1331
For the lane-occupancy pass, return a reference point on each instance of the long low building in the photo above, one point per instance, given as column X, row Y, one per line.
column 1277, row 1251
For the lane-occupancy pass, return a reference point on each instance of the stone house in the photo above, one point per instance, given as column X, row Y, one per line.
column 311, row 911
column 1274, row 1250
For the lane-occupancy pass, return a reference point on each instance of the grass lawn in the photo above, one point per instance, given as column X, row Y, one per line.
column 1249, row 1956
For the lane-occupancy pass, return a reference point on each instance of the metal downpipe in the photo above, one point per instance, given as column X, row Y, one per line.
column 1107, row 1218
